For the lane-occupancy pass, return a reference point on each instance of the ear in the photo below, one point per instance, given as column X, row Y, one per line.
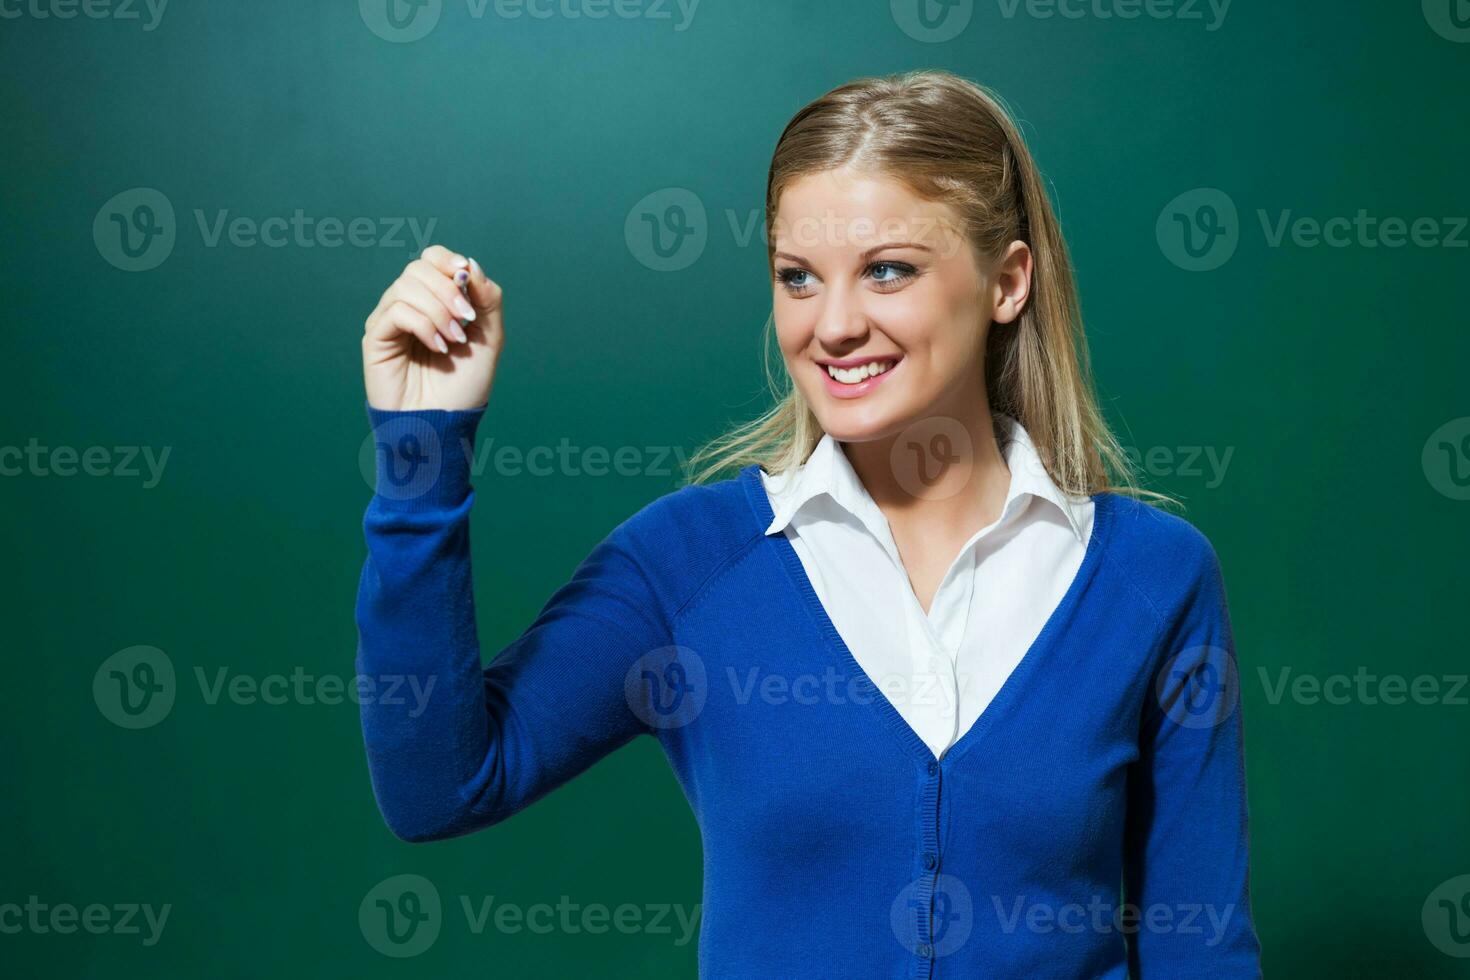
column 1010, row 282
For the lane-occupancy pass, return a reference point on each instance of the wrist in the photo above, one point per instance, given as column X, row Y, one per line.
column 422, row 457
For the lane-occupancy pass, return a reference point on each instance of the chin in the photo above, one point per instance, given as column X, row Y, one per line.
column 852, row 422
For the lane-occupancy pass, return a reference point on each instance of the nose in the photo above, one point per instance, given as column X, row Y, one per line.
column 843, row 322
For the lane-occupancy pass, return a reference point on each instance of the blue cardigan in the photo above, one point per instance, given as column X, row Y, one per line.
column 1091, row 824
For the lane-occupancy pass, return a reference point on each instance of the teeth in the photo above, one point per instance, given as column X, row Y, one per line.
column 854, row 375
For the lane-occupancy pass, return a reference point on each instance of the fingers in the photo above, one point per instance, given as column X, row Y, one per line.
column 444, row 260
column 446, row 292
column 483, row 291
column 432, row 296
column 426, row 300
column 403, row 318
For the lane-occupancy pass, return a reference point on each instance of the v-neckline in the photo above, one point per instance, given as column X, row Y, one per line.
column 1009, row 690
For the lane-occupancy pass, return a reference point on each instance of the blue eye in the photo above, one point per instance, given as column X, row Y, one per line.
column 793, row 278
column 900, row 271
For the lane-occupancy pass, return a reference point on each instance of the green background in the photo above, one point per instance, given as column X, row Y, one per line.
column 1323, row 370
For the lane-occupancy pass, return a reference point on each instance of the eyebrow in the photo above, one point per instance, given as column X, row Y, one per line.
column 865, row 256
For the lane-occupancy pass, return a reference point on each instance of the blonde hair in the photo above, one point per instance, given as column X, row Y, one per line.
column 953, row 141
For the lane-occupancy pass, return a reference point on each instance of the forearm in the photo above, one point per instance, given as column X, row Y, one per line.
column 482, row 743
column 425, row 718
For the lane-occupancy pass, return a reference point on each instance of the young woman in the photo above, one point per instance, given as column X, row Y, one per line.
column 947, row 699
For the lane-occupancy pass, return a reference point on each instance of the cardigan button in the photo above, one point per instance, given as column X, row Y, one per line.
column 933, row 768
column 930, row 860
column 925, row 951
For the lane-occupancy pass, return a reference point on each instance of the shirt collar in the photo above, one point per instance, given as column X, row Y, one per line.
column 828, row 472
column 1029, row 476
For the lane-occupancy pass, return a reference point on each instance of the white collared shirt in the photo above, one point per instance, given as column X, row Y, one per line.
column 940, row 669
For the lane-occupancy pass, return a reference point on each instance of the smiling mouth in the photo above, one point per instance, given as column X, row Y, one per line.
column 859, row 373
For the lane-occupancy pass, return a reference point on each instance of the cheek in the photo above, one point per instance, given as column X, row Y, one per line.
column 927, row 324
column 794, row 325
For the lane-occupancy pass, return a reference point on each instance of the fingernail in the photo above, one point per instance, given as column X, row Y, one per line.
column 458, row 331
column 461, row 277
column 463, row 308
column 475, row 267
column 443, row 347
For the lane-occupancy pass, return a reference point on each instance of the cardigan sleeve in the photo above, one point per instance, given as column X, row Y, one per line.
column 1186, row 871
column 452, row 746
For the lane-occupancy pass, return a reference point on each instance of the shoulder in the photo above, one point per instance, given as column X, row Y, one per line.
column 1168, row 560
column 684, row 538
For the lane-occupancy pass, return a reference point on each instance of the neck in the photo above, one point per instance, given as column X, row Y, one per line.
column 948, row 474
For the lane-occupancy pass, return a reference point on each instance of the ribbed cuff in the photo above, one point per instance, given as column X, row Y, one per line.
column 422, row 457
